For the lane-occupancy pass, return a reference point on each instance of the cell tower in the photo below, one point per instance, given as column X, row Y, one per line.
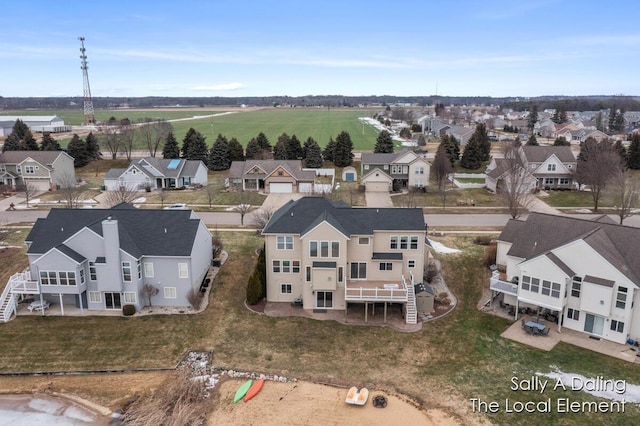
column 89, row 118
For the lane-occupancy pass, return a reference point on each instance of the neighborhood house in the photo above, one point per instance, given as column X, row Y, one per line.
column 41, row 170
column 394, row 171
column 271, row 176
column 325, row 255
column 156, row 173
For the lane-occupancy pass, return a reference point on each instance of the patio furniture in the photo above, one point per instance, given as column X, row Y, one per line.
column 38, row 306
column 535, row 327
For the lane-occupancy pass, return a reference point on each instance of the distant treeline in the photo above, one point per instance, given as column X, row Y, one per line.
column 580, row 103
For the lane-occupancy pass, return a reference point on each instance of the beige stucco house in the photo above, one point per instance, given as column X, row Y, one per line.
column 326, row 255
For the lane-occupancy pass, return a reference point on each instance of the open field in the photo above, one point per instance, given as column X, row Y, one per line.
column 449, row 361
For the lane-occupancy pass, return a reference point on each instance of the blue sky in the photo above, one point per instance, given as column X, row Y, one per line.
column 298, row 48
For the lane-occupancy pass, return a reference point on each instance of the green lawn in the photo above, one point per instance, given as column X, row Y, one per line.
column 573, row 199
column 475, row 197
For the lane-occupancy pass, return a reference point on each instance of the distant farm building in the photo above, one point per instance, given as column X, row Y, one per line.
column 36, row 123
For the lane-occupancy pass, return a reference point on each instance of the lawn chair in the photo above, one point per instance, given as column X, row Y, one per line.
column 546, row 331
column 522, row 321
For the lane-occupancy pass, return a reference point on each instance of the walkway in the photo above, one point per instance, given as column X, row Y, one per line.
column 378, row 199
column 535, row 204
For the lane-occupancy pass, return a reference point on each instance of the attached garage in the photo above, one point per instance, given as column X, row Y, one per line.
column 377, row 186
column 39, row 184
column 281, row 188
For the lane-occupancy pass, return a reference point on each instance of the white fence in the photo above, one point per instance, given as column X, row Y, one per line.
column 453, row 177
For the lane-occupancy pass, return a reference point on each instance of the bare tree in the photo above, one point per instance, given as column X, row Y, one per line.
column 623, row 192
column 516, row 183
column 149, row 291
column 127, row 136
column 210, row 190
column 70, row 191
column 244, row 206
column 597, row 163
column 111, row 140
column 162, row 195
column 262, row 216
column 29, row 190
column 124, row 194
column 154, row 133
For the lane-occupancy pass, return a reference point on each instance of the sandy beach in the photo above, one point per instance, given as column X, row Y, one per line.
column 308, row 404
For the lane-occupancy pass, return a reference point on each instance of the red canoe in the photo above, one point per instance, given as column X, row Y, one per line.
column 254, row 389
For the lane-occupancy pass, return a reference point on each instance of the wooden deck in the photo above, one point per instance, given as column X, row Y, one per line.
column 375, row 291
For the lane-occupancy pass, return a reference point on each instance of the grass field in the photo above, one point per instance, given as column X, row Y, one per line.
column 449, row 361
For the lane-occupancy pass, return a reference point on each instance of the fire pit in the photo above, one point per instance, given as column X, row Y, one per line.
column 379, row 401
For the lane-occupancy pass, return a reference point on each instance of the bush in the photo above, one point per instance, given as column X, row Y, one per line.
column 490, row 254
column 195, row 299
column 483, row 240
column 216, row 246
column 128, row 310
column 254, row 288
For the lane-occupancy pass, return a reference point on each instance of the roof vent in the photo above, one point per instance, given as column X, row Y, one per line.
column 61, row 229
column 377, row 210
column 165, row 230
column 291, row 214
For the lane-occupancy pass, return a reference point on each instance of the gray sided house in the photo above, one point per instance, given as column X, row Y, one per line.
column 271, row 176
column 100, row 259
column 394, row 171
column 43, row 170
column 157, row 173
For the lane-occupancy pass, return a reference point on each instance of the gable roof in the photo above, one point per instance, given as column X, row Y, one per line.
column 159, row 167
column 238, row 169
column 540, row 233
column 141, row 231
column 383, row 158
column 298, row 217
column 538, row 154
column 46, row 158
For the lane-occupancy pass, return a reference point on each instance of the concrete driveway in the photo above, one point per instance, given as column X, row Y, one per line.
column 275, row 201
column 378, row 199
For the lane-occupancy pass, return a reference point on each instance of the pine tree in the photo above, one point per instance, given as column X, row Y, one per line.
column 633, row 154
column 452, row 146
column 294, row 149
column 187, row 142
column 533, row 118
column 219, row 154
column 253, row 150
column 384, row 143
column 77, row 149
column 613, row 113
column 619, row 122
column 48, row 143
column 12, row 143
column 482, row 137
column 329, row 150
column 561, row 141
column 280, row 150
column 170, row 150
column 197, row 148
column 93, row 148
column 236, row 152
column 313, row 154
column 263, row 142
column 343, row 152
column 20, row 129
column 472, row 156
column 29, row 143
column 532, row 141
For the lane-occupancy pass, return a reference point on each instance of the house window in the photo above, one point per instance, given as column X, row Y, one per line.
column 44, row 278
column 286, row 266
column 535, row 285
column 335, row 249
column 526, row 282
column 284, row 242
column 313, row 249
column 276, row 266
column 551, row 167
column 63, row 278
column 564, row 181
column 363, row 241
column 340, row 274
column 307, row 274
column 139, row 268
column 394, row 242
column 126, row 271
column 576, row 285
column 285, row 289
column 81, row 276
column 396, row 170
column 358, row 270
column 546, row 287
column 324, row 248
column 555, row 290
column 573, row 314
column 295, row 266
column 148, row 269
column 94, row 297
column 366, row 167
column 411, row 264
column 29, row 170
column 420, row 170
column 183, row 270
column 170, row 293
column 386, row 266
column 19, row 169
column 414, row 242
column 130, row 297
column 621, row 298
column 617, row 326
column 549, row 181
column 404, row 242
column 93, row 275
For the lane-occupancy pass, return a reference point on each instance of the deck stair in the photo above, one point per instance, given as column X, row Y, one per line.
column 412, row 311
column 7, row 304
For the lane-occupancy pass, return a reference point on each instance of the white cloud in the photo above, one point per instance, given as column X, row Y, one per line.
column 217, row 87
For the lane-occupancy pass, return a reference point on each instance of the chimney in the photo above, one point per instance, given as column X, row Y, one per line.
column 112, row 248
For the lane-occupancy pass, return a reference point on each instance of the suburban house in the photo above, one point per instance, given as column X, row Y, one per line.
column 581, row 135
column 325, row 255
column 546, row 167
column 42, row 170
column 394, row 171
column 271, row 176
column 157, row 173
column 585, row 271
column 100, row 259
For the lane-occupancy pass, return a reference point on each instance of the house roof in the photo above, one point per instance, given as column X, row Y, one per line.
column 159, row 167
column 141, row 231
column 538, row 154
column 43, row 157
column 238, row 169
column 383, row 158
column 541, row 233
column 298, row 217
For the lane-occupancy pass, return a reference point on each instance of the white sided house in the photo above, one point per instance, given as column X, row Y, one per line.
column 585, row 271
column 100, row 259
column 325, row 255
column 157, row 173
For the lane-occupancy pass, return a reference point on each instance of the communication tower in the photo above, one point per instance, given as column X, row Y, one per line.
column 89, row 117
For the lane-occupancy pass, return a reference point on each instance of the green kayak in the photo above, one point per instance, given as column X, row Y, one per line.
column 242, row 391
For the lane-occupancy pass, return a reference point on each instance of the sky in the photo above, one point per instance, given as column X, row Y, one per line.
column 307, row 47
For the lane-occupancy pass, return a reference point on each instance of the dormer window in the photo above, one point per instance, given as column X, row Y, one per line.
column 551, row 167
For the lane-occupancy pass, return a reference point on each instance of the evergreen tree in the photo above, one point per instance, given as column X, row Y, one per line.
column 20, row 129
column 533, row 118
column 197, row 148
column 328, row 151
column 170, row 150
column 561, row 141
column 48, row 143
column 236, row 152
column 29, row 143
column 621, row 150
column 253, row 150
column 560, row 115
column 313, row 154
column 294, row 149
column 219, row 154
column 633, row 155
column 384, row 143
column 280, row 150
column 619, row 122
column 263, row 142
column 613, row 113
column 472, row 156
column 532, row 141
column 93, row 148
column 482, row 138
column 188, row 141
column 12, row 143
column 77, row 149
column 343, row 152
column 452, row 147
column 599, row 121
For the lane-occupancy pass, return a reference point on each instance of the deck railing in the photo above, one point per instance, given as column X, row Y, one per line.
column 501, row 286
column 21, row 282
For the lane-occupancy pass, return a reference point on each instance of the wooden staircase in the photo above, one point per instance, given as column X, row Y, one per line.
column 412, row 311
column 7, row 304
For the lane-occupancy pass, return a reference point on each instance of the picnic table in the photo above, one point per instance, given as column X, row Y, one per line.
column 534, row 327
column 38, row 306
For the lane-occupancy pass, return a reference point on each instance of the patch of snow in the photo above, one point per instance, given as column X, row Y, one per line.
column 35, row 201
column 90, row 201
column 140, row 200
column 583, row 211
column 45, row 405
column 441, row 248
column 77, row 413
column 615, row 390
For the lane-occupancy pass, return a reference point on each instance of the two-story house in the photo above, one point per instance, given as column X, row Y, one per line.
column 394, row 171
column 42, row 170
column 157, row 173
column 326, row 255
column 586, row 271
column 100, row 259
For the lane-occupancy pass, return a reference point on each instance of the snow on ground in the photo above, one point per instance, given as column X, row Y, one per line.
column 615, row 390
column 441, row 248
column 28, row 410
column 140, row 200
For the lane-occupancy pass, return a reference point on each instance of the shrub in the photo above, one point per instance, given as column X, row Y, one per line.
column 490, row 254
column 254, row 288
column 483, row 240
column 195, row 298
column 128, row 310
column 216, row 246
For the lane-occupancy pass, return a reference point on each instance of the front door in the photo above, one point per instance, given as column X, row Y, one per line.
column 594, row 324
column 112, row 301
column 324, row 299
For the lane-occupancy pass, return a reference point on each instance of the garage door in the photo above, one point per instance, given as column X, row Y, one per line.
column 305, row 188
column 377, row 187
column 39, row 185
column 280, row 188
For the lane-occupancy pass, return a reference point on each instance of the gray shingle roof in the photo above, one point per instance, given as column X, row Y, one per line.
column 46, row 158
column 141, row 231
column 382, row 158
column 296, row 217
column 239, row 168
column 538, row 154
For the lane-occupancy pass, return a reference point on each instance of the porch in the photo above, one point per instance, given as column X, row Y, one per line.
column 375, row 291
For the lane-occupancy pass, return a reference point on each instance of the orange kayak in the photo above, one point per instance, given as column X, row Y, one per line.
column 253, row 390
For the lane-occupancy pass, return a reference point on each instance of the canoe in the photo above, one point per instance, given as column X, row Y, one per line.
column 362, row 397
column 253, row 390
column 242, row 390
column 351, row 395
